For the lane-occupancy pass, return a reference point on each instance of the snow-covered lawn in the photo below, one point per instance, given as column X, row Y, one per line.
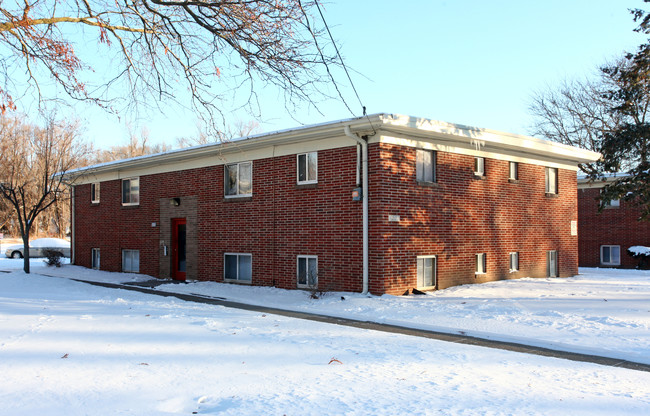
column 602, row 311
column 75, row 349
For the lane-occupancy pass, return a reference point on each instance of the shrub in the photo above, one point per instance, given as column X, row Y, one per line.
column 642, row 253
column 53, row 258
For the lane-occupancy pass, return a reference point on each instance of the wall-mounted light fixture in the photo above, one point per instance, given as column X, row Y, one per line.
column 175, row 201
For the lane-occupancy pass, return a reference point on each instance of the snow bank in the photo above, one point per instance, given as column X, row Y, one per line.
column 639, row 250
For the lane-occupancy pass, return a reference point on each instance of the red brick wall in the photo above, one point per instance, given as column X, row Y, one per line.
column 612, row 226
column 463, row 216
column 454, row 220
column 281, row 221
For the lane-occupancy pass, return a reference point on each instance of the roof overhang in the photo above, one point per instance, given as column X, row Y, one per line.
column 373, row 126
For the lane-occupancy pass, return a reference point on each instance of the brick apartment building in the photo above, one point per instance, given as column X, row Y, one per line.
column 443, row 205
column 605, row 236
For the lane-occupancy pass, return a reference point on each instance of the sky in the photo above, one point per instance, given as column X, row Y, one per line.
column 470, row 62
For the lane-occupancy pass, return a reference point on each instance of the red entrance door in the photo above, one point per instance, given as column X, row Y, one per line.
column 179, row 263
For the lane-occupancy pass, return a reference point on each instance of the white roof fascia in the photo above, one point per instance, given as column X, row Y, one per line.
column 372, row 125
column 585, row 182
column 482, row 138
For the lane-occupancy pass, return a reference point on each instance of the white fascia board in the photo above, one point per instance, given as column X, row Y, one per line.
column 486, row 139
column 225, row 152
column 515, row 155
column 585, row 182
column 456, row 137
column 235, row 153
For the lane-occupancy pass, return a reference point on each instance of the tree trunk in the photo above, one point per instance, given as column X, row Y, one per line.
column 26, row 252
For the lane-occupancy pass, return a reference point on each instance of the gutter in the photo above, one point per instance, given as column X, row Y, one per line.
column 364, row 199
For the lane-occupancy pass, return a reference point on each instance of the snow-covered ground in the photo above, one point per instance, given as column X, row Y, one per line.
column 75, row 349
column 602, row 311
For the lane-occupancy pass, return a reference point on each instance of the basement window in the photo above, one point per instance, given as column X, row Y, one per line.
column 238, row 267
column 131, row 261
column 94, row 262
column 481, row 264
column 307, row 272
column 514, row 262
column 551, row 263
column 426, row 272
column 610, row 255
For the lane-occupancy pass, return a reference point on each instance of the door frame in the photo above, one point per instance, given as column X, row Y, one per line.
column 175, row 273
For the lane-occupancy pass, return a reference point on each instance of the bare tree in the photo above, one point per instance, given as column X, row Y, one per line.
column 239, row 129
column 156, row 51
column 136, row 146
column 33, row 160
column 576, row 114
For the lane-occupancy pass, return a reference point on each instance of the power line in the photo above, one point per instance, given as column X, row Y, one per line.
column 340, row 58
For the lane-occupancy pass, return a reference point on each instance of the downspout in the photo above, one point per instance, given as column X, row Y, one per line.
column 364, row 199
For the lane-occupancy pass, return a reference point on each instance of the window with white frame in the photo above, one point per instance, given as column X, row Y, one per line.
column 479, row 166
column 131, row 261
column 238, row 267
column 307, row 271
column 514, row 261
column 94, row 261
column 551, row 180
column 425, row 165
column 131, row 191
column 513, row 171
column 239, row 179
column 426, row 269
column 551, row 263
column 481, row 263
column 94, row 193
column 610, row 255
column 308, row 168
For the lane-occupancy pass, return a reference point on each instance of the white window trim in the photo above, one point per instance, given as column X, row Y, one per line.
column 510, row 255
column 237, row 280
column 225, row 178
column 610, row 263
column 434, row 271
column 122, row 191
column 130, row 251
column 551, row 187
column 308, row 181
column 434, row 166
column 514, row 177
column 479, row 166
column 305, row 286
column 92, row 259
column 94, row 196
column 481, row 258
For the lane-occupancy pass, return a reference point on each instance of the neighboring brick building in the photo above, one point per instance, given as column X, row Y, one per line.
column 605, row 236
column 447, row 205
